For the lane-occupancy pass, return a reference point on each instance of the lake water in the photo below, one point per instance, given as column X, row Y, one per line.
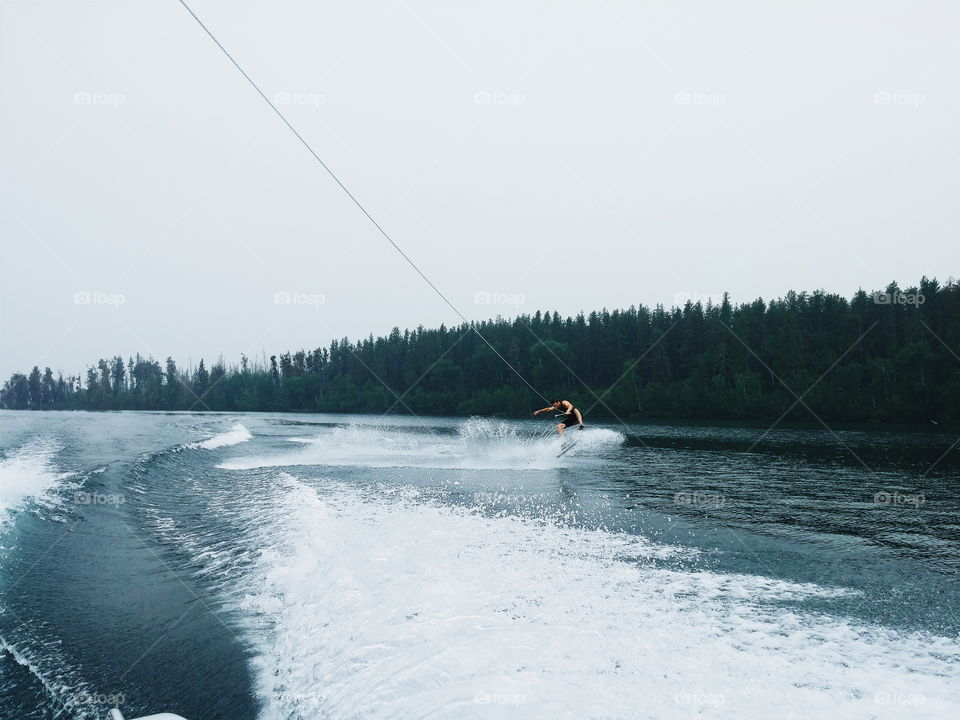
column 227, row 566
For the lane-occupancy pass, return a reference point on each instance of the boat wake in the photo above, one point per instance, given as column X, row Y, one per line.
column 31, row 481
column 234, row 436
column 477, row 444
column 365, row 601
column 29, row 476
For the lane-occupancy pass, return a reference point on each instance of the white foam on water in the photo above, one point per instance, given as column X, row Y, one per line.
column 234, row 436
column 387, row 605
column 479, row 444
column 28, row 475
column 29, row 480
column 61, row 682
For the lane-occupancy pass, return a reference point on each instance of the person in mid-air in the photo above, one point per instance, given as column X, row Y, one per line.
column 571, row 416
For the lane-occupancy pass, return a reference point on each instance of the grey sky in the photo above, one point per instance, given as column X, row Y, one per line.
column 567, row 155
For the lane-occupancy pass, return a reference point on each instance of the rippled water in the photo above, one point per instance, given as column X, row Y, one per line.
column 243, row 566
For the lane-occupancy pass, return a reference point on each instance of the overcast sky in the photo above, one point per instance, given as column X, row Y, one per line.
column 563, row 155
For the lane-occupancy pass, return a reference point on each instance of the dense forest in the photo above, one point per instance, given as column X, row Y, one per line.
column 891, row 356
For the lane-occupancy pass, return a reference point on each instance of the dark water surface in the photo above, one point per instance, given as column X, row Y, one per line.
column 313, row 566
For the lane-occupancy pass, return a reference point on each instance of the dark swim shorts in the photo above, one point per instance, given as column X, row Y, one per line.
column 570, row 420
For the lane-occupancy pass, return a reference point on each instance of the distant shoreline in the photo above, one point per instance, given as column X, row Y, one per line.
column 890, row 356
column 757, row 424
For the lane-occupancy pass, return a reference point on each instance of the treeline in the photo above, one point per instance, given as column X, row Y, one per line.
column 890, row 356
